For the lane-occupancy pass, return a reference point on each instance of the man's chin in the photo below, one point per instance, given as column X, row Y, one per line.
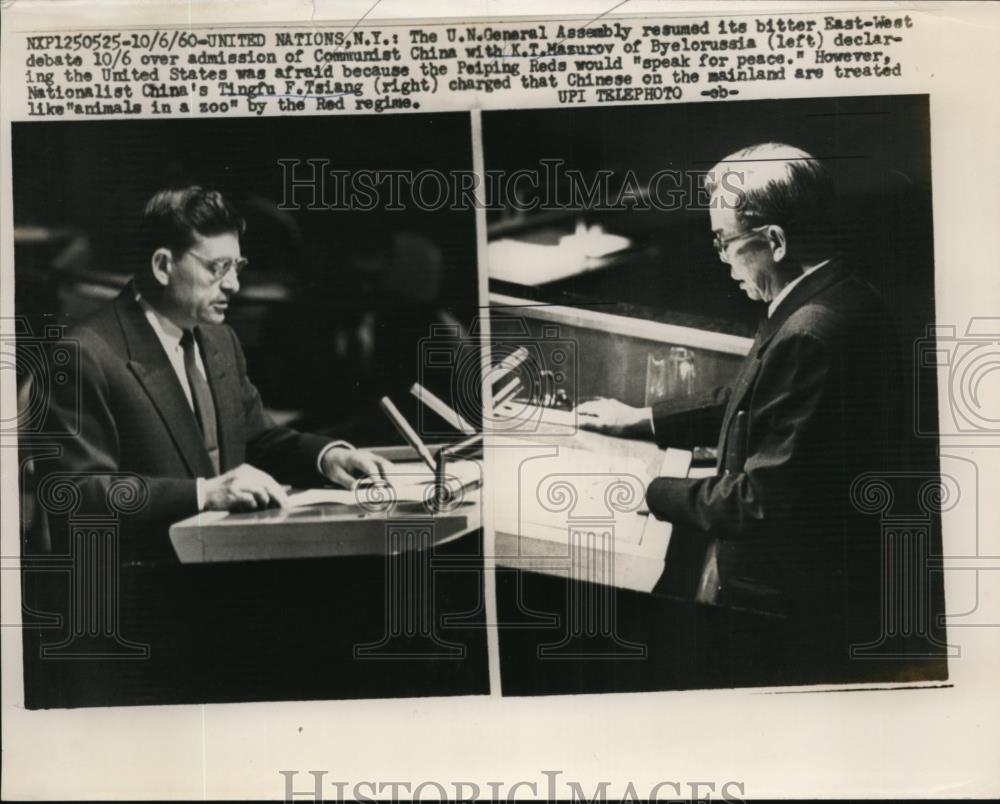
column 215, row 315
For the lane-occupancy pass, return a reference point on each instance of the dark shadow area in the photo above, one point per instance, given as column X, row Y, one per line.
column 655, row 643
column 335, row 299
column 268, row 631
column 877, row 149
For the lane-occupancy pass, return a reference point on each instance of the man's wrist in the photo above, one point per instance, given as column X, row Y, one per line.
column 200, row 493
column 331, row 446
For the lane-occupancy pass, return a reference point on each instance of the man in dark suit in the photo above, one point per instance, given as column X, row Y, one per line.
column 163, row 387
column 815, row 405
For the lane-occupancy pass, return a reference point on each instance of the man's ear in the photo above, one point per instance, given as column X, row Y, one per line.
column 162, row 263
column 778, row 242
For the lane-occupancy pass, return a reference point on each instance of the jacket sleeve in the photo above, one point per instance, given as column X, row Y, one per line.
column 692, row 422
column 287, row 454
column 80, row 418
column 780, row 479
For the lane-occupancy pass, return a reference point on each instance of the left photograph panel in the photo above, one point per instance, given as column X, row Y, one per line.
column 248, row 427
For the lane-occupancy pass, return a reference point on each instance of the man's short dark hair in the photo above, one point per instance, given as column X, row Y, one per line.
column 172, row 218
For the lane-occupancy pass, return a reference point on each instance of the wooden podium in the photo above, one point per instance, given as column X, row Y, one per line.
column 371, row 525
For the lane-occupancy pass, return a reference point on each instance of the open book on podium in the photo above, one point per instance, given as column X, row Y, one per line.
column 335, row 522
column 430, row 488
column 413, row 483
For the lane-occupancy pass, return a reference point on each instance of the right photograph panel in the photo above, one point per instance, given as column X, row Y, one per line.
column 712, row 365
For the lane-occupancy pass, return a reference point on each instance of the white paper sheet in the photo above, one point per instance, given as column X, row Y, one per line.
column 410, row 484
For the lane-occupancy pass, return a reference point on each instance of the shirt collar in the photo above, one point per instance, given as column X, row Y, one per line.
column 788, row 288
column 166, row 330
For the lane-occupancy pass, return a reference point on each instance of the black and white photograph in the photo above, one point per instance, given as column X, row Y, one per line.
column 720, row 303
column 589, row 401
column 219, row 358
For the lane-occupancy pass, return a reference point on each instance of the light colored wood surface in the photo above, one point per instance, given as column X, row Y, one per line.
column 322, row 531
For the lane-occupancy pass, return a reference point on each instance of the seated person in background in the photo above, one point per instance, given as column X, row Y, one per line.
column 164, row 391
column 816, row 404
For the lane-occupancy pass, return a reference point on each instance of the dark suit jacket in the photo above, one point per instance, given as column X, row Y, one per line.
column 820, row 390
column 135, row 418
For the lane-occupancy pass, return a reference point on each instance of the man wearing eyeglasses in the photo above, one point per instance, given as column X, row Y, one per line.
column 815, row 405
column 163, row 383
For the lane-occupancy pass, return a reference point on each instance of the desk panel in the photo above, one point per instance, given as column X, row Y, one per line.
column 571, row 503
column 328, row 530
column 313, row 629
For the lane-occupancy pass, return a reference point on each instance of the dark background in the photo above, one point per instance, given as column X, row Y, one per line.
column 80, row 187
column 877, row 148
column 271, row 630
column 266, row 631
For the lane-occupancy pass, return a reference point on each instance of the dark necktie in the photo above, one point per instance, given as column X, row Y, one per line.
column 201, row 396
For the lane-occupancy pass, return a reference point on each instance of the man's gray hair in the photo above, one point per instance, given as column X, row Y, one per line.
column 774, row 183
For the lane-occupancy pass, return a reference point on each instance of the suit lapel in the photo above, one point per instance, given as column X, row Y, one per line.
column 151, row 367
column 224, row 391
column 801, row 293
column 744, row 379
column 813, row 284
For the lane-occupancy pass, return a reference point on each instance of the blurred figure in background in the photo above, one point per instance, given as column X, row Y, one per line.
column 363, row 322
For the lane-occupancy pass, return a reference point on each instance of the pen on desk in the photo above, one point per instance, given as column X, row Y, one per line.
column 406, row 431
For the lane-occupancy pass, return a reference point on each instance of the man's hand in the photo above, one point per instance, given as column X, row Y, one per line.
column 344, row 466
column 244, row 488
column 615, row 418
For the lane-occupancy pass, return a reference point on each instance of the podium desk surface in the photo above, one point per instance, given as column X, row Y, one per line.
column 571, row 503
column 371, row 526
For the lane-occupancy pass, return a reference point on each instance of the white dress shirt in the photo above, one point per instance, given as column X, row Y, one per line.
column 788, row 288
column 169, row 336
